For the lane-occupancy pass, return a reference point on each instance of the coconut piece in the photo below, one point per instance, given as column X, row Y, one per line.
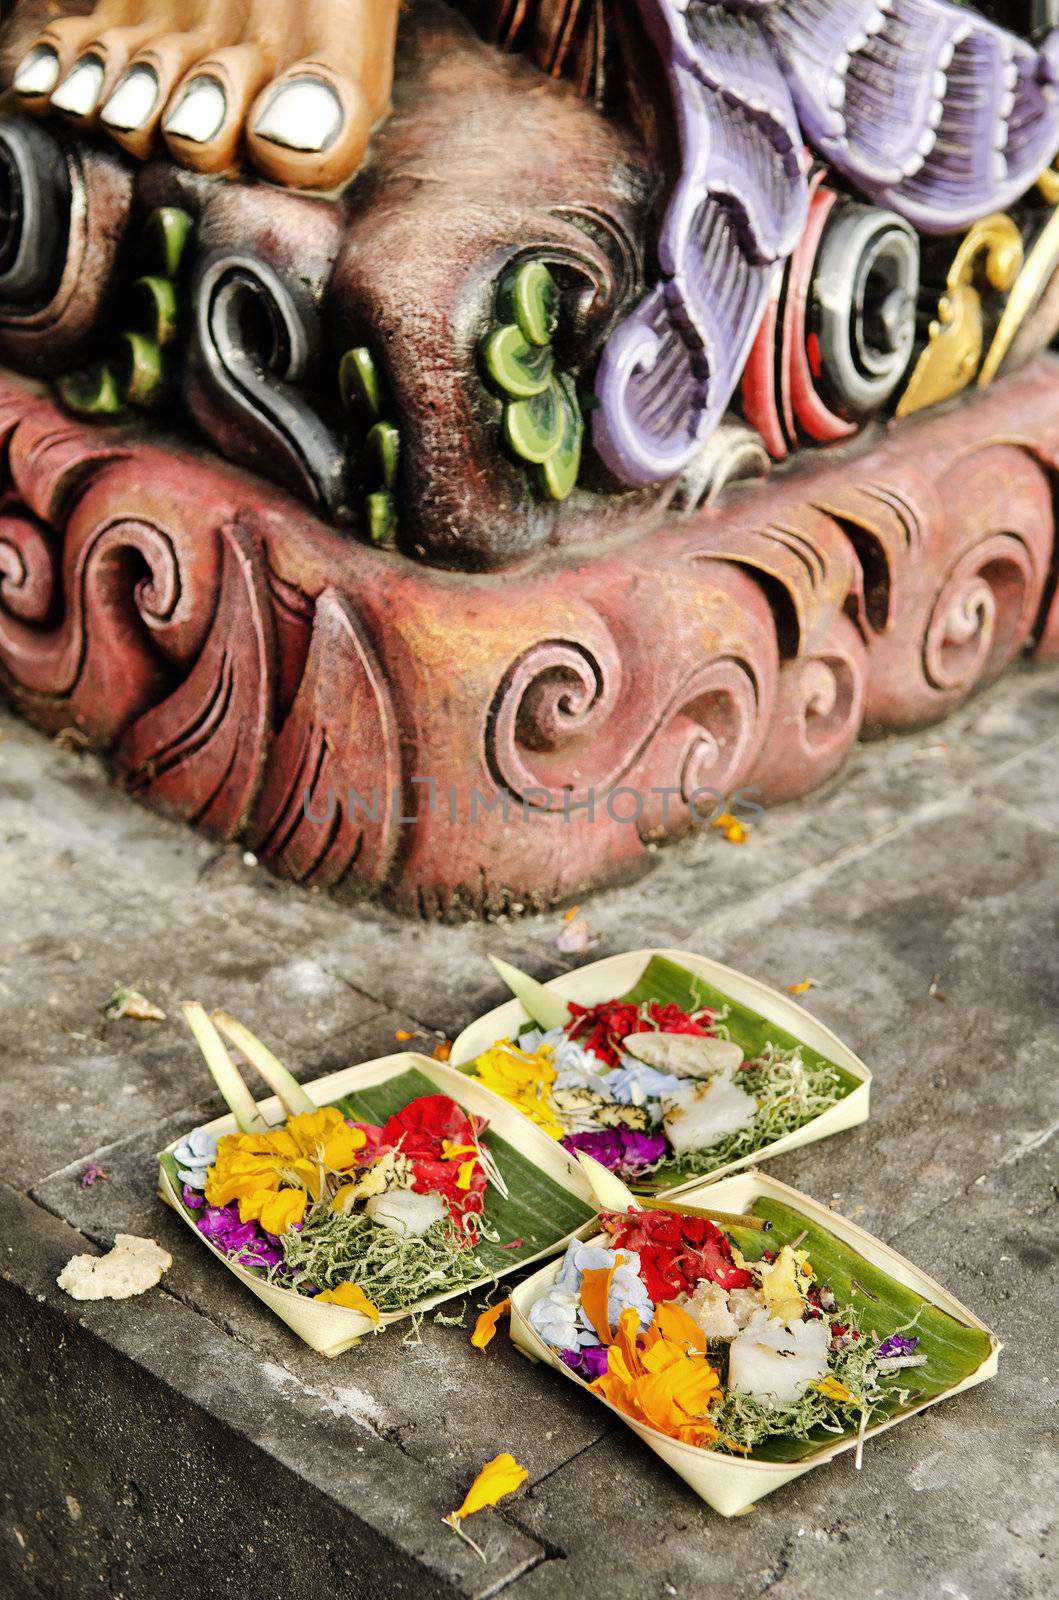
column 403, row 1211
column 743, row 1304
column 132, row 1267
column 685, row 1054
column 697, row 1117
column 709, row 1307
column 776, row 1364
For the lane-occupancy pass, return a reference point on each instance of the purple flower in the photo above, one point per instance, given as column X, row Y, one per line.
column 896, row 1345
column 243, row 1240
column 589, row 1363
column 91, row 1175
column 623, row 1150
column 192, row 1199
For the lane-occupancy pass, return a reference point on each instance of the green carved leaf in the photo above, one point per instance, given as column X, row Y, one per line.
column 516, row 366
column 141, row 370
column 382, row 516
column 155, row 310
column 165, row 237
column 559, row 472
column 93, row 392
column 383, row 448
column 534, row 429
column 529, row 297
column 361, row 384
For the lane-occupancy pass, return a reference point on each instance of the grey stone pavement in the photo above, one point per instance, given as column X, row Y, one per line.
column 185, row 1443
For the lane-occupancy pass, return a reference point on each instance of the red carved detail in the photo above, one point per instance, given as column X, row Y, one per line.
column 244, row 663
column 819, row 711
column 328, row 809
column 202, row 752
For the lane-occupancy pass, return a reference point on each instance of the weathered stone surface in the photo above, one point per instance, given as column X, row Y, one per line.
column 937, row 858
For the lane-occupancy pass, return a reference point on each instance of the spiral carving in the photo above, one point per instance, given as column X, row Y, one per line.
column 64, row 207
column 982, row 616
column 28, row 566
column 839, row 329
column 818, row 715
column 257, row 346
column 556, row 694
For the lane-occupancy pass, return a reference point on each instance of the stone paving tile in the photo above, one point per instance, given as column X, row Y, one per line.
column 957, row 1504
column 1030, row 783
column 328, row 1434
column 935, row 857
column 446, row 1402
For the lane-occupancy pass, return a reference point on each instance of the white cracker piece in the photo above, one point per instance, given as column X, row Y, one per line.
column 132, row 1267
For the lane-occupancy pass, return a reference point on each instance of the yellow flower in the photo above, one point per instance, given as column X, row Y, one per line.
column 352, row 1297
column 275, row 1212
column 240, row 1171
column 485, row 1328
column 322, row 1136
column 454, row 1152
column 523, row 1079
column 784, row 1282
column 665, row 1384
column 832, row 1389
column 497, row 1479
column 466, row 1173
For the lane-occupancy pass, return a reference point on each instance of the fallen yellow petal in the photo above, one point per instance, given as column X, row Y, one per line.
column 442, row 1051
column 734, row 831
column 497, row 1479
column 803, row 987
column 352, row 1296
column 485, row 1328
column 831, row 1389
column 402, row 1035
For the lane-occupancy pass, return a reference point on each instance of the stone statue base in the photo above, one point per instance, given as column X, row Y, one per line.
column 458, row 744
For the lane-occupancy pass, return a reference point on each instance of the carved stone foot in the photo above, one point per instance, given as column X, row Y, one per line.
column 297, row 88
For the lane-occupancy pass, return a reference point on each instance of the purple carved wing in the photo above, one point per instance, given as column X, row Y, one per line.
column 925, row 106
column 668, row 372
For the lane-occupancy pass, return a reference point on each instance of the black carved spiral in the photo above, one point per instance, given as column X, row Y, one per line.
column 863, row 307
column 35, row 204
column 257, row 382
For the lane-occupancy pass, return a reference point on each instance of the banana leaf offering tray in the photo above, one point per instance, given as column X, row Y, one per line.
column 747, row 1345
column 372, row 1195
column 665, row 1067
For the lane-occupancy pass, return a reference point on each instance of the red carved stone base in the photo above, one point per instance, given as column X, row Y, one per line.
column 461, row 743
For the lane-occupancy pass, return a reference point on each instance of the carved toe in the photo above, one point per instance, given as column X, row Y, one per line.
column 199, row 112
column 79, row 91
column 134, row 101
column 302, row 114
column 38, row 72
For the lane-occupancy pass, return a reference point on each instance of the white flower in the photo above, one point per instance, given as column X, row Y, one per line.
column 194, row 1157
column 559, row 1309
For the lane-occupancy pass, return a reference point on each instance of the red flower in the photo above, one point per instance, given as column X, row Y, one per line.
column 602, row 1028
column 374, row 1146
column 676, row 1252
column 423, row 1130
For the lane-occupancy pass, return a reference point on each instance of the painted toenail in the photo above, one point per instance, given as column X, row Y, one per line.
column 79, row 90
column 304, row 114
column 38, row 73
column 133, row 101
column 199, row 113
